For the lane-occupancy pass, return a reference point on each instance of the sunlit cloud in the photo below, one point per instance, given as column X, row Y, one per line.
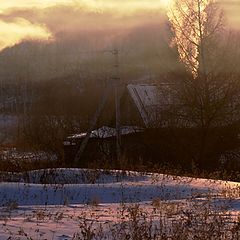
column 123, row 6
column 12, row 33
column 68, row 18
column 46, row 18
column 30, row 3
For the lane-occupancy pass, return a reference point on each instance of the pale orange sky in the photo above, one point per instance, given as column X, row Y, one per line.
column 35, row 19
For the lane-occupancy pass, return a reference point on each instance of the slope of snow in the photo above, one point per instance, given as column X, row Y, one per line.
column 79, row 186
column 53, row 211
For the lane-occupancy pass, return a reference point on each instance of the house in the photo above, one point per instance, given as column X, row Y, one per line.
column 142, row 107
column 102, row 144
column 155, row 139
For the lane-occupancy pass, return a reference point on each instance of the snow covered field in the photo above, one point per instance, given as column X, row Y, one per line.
column 65, row 203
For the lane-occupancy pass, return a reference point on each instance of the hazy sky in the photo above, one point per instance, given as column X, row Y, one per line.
column 50, row 19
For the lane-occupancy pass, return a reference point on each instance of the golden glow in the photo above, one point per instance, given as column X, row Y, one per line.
column 12, row 33
column 29, row 3
column 36, row 23
column 19, row 28
column 187, row 30
column 123, row 6
column 167, row 3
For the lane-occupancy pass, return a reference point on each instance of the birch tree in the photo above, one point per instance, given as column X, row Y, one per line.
column 208, row 94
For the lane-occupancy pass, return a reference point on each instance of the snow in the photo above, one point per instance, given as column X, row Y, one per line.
column 12, row 154
column 47, row 204
column 106, row 132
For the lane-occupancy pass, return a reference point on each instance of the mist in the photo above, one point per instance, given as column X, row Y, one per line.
column 54, row 39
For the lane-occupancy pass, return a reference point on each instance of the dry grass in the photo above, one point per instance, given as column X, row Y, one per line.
column 165, row 222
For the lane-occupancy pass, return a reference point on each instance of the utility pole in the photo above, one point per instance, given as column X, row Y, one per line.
column 115, row 82
column 92, row 126
column 116, row 79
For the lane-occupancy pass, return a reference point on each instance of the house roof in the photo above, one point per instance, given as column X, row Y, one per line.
column 149, row 99
column 105, row 132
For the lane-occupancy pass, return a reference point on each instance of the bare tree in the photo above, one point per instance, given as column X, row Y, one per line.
column 207, row 95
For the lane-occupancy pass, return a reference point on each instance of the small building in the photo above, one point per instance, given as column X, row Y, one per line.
column 102, row 144
column 154, row 138
column 143, row 108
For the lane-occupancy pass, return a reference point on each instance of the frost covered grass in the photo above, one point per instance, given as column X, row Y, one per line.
column 98, row 204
